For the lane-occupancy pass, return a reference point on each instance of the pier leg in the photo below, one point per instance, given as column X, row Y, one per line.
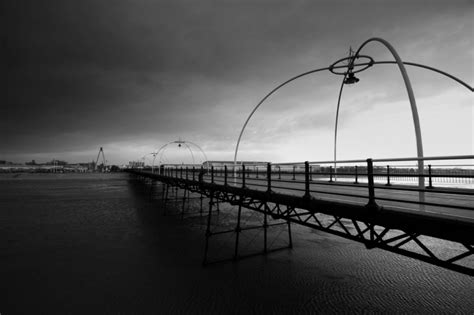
column 208, row 230
column 265, row 227
column 151, row 189
column 163, row 192
column 166, row 198
column 200, row 209
column 238, row 230
column 184, row 204
column 290, row 239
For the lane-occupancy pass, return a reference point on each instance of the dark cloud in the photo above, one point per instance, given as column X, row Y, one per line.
column 81, row 74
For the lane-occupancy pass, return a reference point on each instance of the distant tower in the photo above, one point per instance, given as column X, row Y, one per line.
column 103, row 159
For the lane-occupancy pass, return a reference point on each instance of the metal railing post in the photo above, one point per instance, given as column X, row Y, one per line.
column 370, row 179
column 388, row 176
column 194, row 174
column 429, row 177
column 356, row 176
column 279, row 172
column 243, row 175
column 186, row 173
column 306, row 180
column 225, row 175
column 294, row 172
column 212, row 174
column 256, row 171
column 269, row 177
column 330, row 174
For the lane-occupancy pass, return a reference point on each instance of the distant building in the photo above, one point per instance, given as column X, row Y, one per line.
column 33, row 162
column 136, row 164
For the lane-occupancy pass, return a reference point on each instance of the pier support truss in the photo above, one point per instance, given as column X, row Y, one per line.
column 414, row 235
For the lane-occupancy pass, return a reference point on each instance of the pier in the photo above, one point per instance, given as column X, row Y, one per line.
column 396, row 204
column 379, row 206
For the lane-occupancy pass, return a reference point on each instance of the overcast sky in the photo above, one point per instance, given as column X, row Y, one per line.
column 131, row 76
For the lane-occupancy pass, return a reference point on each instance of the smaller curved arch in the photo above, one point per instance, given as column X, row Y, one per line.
column 187, row 144
column 411, row 97
column 190, row 151
column 203, row 153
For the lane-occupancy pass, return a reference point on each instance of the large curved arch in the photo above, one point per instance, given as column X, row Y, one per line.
column 411, row 97
column 409, row 88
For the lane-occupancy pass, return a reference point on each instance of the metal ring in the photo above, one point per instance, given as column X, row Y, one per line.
column 364, row 65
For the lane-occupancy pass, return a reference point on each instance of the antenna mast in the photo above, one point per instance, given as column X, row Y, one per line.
column 103, row 159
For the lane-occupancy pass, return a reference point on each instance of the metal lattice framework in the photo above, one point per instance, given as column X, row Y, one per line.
column 407, row 234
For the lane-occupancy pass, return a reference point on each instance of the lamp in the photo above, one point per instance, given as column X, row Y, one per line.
column 351, row 79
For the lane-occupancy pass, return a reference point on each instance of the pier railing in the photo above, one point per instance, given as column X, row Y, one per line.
column 378, row 183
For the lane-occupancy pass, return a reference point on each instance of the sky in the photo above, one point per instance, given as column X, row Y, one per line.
column 132, row 76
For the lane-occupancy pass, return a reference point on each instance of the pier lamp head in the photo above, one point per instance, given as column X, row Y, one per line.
column 351, row 79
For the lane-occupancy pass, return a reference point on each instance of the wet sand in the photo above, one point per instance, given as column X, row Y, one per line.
column 100, row 245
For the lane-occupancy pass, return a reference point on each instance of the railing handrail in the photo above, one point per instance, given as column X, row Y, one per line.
column 429, row 158
column 263, row 165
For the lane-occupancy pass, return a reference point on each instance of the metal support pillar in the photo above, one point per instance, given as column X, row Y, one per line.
column 430, row 180
column 225, row 175
column 238, row 229
column 163, row 192
column 370, row 178
column 184, row 203
column 269, row 177
column 290, row 239
column 200, row 208
column 265, row 228
column 151, row 189
column 208, row 229
column 166, row 198
column 307, row 194
column 388, row 176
